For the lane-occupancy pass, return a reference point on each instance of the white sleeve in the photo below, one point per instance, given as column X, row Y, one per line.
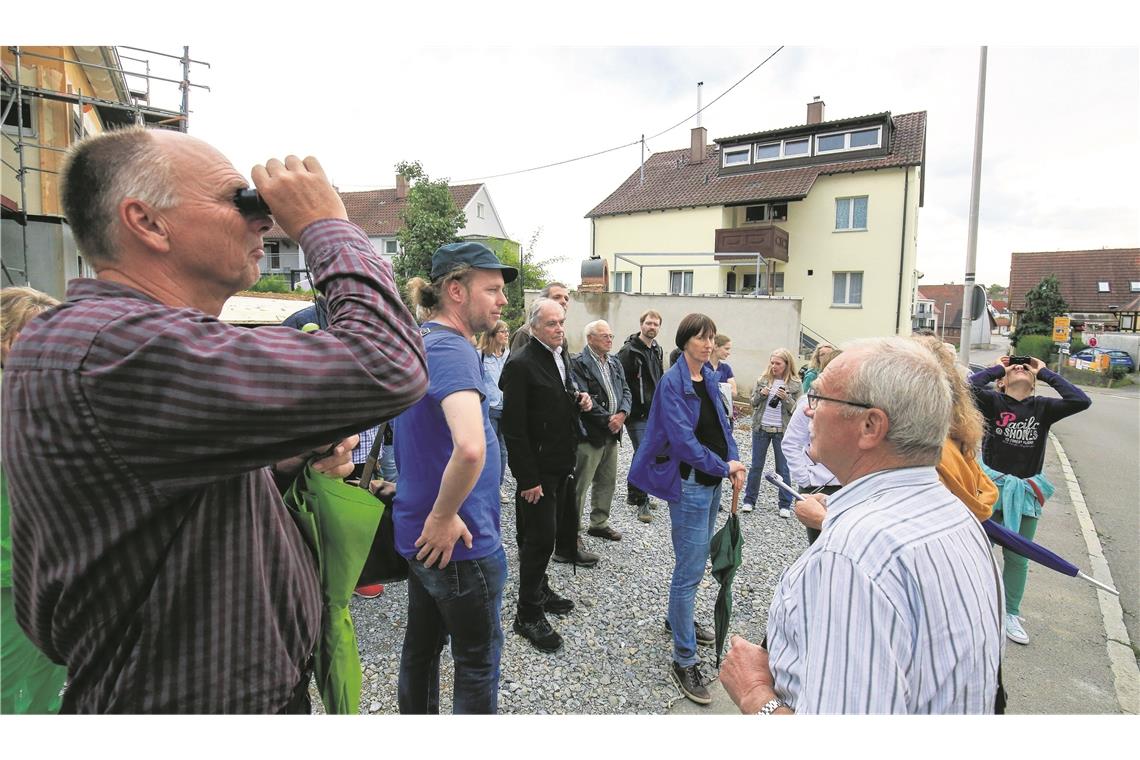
column 796, row 439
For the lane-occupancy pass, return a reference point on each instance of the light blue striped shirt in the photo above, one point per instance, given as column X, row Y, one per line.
column 897, row 608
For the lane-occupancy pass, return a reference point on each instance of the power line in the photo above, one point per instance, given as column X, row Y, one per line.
column 629, row 144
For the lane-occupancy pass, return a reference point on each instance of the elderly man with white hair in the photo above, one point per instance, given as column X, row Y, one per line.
column 897, row 608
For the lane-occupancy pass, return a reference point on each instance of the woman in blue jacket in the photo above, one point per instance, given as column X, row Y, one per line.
column 685, row 455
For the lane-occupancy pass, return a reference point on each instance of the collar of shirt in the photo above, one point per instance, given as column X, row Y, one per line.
column 603, row 359
column 875, row 485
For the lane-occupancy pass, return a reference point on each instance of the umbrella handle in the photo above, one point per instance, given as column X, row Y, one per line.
column 735, row 497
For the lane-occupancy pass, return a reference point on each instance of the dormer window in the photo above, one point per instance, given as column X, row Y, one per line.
column 774, row 151
column 1134, row 286
column 737, row 156
column 859, row 139
column 1103, row 287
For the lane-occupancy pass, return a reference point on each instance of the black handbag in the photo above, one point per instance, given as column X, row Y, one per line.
column 384, row 563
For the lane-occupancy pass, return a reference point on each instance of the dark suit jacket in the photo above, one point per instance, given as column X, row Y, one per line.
column 596, row 421
column 540, row 419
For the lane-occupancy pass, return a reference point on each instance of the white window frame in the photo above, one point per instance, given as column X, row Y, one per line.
column 479, row 210
column 746, row 149
column 394, row 244
column 686, row 274
column 847, row 141
column 846, row 303
column 626, row 280
column 767, row 213
column 29, row 126
column 1103, row 287
column 779, row 151
column 851, row 213
column 1134, row 286
column 784, row 147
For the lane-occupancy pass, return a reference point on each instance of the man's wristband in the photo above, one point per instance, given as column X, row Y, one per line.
column 771, row 706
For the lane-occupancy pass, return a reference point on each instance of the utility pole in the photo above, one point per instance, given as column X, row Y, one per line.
column 643, row 160
column 975, row 193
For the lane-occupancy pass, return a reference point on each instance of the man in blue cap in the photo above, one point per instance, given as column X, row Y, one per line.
column 446, row 510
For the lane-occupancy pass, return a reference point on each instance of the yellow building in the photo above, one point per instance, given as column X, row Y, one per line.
column 53, row 96
column 825, row 211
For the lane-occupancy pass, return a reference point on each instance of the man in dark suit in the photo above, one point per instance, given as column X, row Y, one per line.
column 601, row 375
column 540, row 423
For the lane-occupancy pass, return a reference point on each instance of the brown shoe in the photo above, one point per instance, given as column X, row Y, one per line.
column 605, row 532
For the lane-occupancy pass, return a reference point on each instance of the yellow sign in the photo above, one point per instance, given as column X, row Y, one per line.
column 1061, row 329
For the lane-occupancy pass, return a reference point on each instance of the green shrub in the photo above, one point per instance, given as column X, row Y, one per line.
column 1039, row 346
column 271, row 284
column 1077, row 346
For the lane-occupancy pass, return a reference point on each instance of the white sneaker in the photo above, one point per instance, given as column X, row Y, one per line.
column 785, row 512
column 745, row 507
column 1013, row 630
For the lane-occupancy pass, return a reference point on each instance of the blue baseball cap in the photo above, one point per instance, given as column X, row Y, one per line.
column 477, row 255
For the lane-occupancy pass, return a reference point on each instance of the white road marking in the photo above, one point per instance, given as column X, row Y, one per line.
column 1125, row 674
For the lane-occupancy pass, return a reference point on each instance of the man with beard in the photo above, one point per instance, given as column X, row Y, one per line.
column 643, row 361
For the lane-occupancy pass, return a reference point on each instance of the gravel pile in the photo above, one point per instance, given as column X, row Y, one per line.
column 616, row 655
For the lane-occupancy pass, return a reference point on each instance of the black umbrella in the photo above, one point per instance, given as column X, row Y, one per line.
column 726, row 549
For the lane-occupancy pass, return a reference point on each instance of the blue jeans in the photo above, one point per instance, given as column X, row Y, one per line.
column 693, row 521
column 636, row 431
column 461, row 601
column 496, row 422
column 760, row 441
column 388, row 456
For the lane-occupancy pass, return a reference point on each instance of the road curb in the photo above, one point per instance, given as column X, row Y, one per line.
column 1125, row 674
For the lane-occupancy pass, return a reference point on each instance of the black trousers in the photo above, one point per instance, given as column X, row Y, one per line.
column 539, row 527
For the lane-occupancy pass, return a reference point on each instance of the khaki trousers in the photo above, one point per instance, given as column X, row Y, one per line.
column 595, row 466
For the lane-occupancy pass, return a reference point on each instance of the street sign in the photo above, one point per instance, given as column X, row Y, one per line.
column 1061, row 330
column 1092, row 341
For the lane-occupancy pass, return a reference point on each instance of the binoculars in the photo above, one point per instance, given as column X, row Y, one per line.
column 250, row 202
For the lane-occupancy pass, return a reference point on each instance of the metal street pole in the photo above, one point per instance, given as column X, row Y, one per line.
column 975, row 193
column 945, row 316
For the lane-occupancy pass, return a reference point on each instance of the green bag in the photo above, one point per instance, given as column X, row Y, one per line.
column 338, row 522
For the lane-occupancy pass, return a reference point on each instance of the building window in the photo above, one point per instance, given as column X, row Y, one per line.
column 774, row 151
column 767, row 151
column 737, row 156
column 1102, row 287
column 1134, row 286
column 479, row 210
column 391, row 247
column 797, row 147
column 851, row 213
column 769, row 212
column 756, row 213
column 623, row 282
column 681, row 283
column 12, row 119
column 272, row 255
column 859, row 139
column 847, row 289
column 749, row 283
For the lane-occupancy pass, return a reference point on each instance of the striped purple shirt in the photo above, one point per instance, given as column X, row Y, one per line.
column 152, row 552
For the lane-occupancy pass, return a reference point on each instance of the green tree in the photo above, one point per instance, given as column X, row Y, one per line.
column 996, row 292
column 1041, row 304
column 431, row 219
column 534, row 273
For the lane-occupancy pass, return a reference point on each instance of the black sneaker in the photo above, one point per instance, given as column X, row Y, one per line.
column 705, row 637
column 688, row 680
column 554, row 602
column 539, row 633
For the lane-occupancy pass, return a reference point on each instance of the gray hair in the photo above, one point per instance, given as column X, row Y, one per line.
column 545, row 292
column 536, row 308
column 902, row 379
column 589, row 330
column 99, row 173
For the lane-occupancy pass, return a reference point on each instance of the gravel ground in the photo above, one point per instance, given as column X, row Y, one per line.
column 616, row 655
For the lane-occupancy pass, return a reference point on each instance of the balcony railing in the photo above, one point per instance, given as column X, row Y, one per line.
column 738, row 243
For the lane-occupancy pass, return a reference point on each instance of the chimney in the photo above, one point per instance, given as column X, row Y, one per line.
column 401, row 187
column 697, row 149
column 815, row 111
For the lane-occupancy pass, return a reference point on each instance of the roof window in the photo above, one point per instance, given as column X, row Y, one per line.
column 1102, row 287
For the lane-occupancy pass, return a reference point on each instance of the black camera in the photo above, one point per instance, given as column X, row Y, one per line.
column 774, row 401
column 250, row 202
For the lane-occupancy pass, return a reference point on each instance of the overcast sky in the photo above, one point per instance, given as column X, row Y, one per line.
column 486, row 94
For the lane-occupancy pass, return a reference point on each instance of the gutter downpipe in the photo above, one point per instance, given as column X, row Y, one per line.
column 902, row 250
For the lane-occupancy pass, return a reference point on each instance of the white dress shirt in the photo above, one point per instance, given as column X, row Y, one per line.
column 797, row 437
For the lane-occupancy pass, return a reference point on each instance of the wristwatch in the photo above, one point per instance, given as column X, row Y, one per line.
column 771, row 706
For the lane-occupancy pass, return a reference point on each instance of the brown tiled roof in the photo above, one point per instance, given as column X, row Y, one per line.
column 1078, row 273
column 673, row 181
column 377, row 212
column 941, row 294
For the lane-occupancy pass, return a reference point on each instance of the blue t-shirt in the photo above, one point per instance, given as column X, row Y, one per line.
column 423, row 446
column 721, row 372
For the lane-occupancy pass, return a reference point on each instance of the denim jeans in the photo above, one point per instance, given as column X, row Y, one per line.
column 760, row 441
column 496, row 421
column 636, row 431
column 462, row 602
column 693, row 521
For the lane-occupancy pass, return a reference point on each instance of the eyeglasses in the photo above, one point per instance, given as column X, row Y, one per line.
column 813, row 400
column 604, row 336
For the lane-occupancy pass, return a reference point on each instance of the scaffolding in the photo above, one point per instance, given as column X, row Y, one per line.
column 131, row 104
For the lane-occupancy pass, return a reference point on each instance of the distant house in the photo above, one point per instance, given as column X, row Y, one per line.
column 377, row 212
column 825, row 211
column 1000, row 311
column 947, row 304
column 1100, row 286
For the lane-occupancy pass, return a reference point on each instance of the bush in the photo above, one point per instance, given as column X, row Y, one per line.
column 271, row 284
column 1077, row 346
column 1039, row 346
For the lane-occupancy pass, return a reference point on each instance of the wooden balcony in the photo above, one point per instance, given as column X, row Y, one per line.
column 741, row 244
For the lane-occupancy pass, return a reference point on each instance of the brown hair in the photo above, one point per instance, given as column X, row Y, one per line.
column 722, row 340
column 694, row 325
column 17, row 307
column 427, row 297
column 487, row 339
column 967, row 425
column 649, row 313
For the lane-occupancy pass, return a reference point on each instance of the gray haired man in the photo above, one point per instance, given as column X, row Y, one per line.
column 897, row 607
column 555, row 291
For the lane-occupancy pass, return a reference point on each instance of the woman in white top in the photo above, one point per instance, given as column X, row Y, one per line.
column 773, row 400
column 493, row 352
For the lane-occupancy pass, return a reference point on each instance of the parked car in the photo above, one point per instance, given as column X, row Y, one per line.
column 1116, row 357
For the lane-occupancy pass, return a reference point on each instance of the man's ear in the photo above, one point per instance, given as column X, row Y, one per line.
column 141, row 222
column 457, row 290
column 874, row 429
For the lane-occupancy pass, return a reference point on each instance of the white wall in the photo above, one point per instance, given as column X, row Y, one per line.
column 490, row 225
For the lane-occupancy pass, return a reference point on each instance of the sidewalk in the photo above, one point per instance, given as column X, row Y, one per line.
column 1065, row 668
